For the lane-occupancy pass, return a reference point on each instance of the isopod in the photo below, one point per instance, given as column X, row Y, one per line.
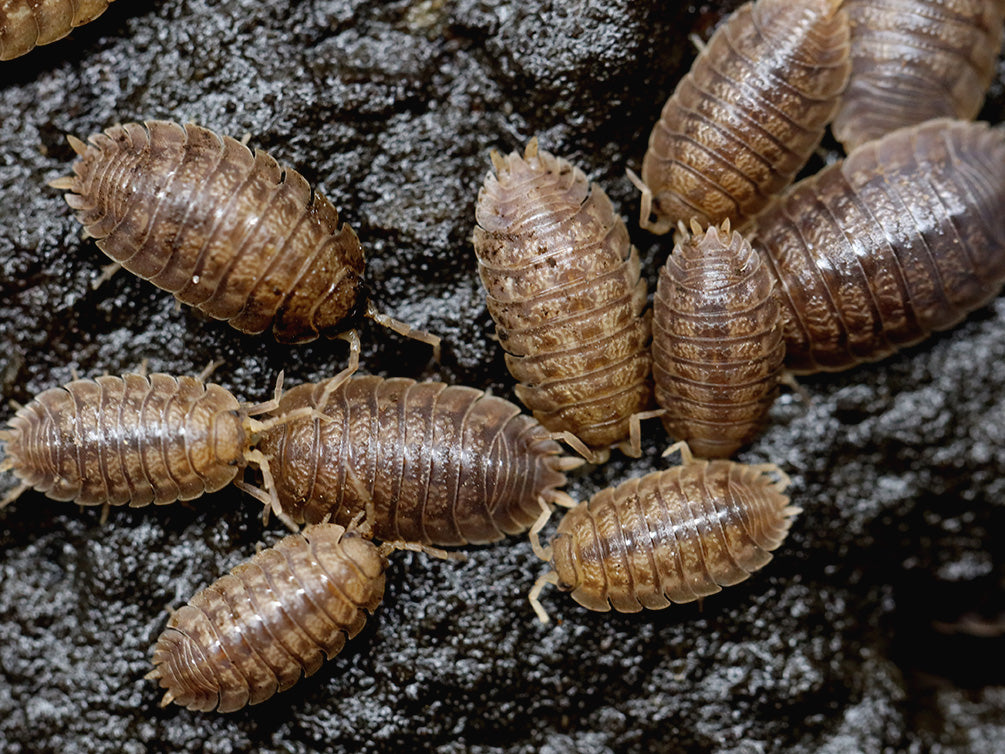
column 747, row 116
column 235, row 234
column 26, row 24
column 904, row 237
column 718, row 349
column 273, row 618
column 564, row 288
column 672, row 536
column 914, row 60
column 132, row 440
column 425, row 462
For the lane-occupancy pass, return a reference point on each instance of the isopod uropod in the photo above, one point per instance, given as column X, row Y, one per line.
column 717, row 342
column 564, row 288
column 26, row 24
column 672, row 536
column 747, row 116
column 232, row 233
column 914, row 60
column 426, row 462
column 273, row 618
column 132, row 440
column 904, row 237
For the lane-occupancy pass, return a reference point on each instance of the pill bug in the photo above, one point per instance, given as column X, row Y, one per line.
column 273, row 618
column 717, row 342
column 235, row 234
column 671, row 536
column 426, row 462
column 914, row 60
column 132, row 440
column 26, row 24
column 904, row 237
column 564, row 288
column 748, row 115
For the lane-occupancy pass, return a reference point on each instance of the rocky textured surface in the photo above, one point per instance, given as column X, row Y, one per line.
column 878, row 627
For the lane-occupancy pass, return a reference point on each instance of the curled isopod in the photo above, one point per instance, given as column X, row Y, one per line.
column 717, row 342
column 671, row 536
column 26, row 24
column 425, row 462
column 132, row 440
column 271, row 620
column 564, row 287
column 748, row 115
column 904, row 237
column 914, row 60
column 235, row 234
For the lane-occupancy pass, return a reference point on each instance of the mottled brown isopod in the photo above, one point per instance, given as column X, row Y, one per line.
column 717, row 342
column 235, row 234
column 426, row 462
column 26, row 24
column 671, row 536
column 564, row 288
column 914, row 60
column 271, row 620
column 748, row 115
column 131, row 440
column 904, row 237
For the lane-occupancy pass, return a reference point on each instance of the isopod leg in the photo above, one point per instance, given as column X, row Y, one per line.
column 789, row 380
column 549, row 578
column 685, row 452
column 656, row 228
column 207, row 370
column 268, row 497
column 270, row 405
column 107, row 273
column 699, row 45
column 545, row 553
column 633, row 448
column 783, row 481
column 404, row 329
column 598, row 457
column 369, row 512
column 388, row 547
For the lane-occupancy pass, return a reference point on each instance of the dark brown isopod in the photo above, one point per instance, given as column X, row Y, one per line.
column 425, row 462
column 914, row 60
column 131, row 440
column 748, row 115
column 272, row 619
column 235, row 234
column 564, row 288
column 671, row 536
column 25, row 24
column 717, row 342
column 904, row 237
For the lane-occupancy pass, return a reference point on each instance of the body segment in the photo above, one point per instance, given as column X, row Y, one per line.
column 271, row 620
column 441, row 465
column 564, row 289
column 904, row 237
column 748, row 115
column 25, row 24
column 914, row 60
column 671, row 536
column 717, row 342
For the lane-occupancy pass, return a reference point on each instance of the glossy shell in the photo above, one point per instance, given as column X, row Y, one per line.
column 128, row 440
column 717, row 342
column 914, row 60
column 272, row 619
column 564, row 289
column 748, row 115
column 671, row 536
column 443, row 465
column 232, row 233
column 25, row 24
column 905, row 236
